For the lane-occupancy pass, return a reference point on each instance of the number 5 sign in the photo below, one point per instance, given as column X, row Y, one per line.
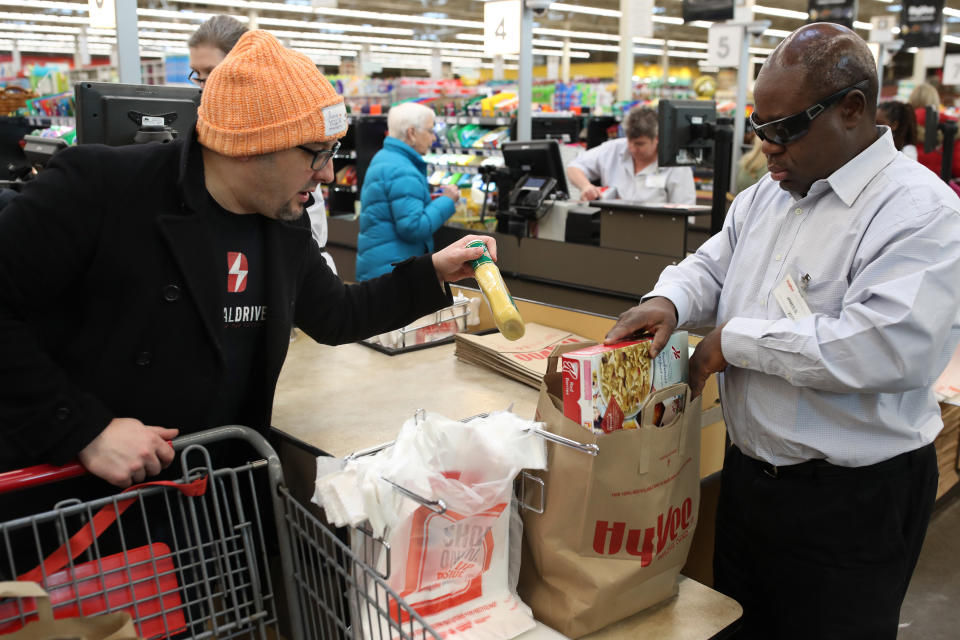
column 501, row 28
column 723, row 45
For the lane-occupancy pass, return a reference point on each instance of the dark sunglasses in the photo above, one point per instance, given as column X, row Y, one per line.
column 322, row 157
column 794, row 127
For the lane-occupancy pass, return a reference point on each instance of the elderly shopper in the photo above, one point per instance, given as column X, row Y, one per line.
column 398, row 217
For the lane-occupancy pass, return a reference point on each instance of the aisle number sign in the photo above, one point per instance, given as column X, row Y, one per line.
column 951, row 69
column 103, row 14
column 882, row 28
column 501, row 28
column 723, row 45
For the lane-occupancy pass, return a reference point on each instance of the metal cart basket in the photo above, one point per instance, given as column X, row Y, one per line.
column 220, row 552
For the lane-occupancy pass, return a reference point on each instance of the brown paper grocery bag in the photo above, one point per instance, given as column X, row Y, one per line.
column 616, row 528
column 106, row 626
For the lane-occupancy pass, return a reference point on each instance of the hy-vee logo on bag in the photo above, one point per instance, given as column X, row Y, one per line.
column 672, row 526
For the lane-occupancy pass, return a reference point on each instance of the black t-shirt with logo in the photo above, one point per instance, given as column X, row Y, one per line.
column 238, row 246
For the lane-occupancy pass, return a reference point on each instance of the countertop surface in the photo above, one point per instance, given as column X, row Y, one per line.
column 330, row 397
column 696, row 613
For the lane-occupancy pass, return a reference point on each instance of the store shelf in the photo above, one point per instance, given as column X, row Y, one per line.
column 343, row 188
column 484, row 121
column 455, row 168
column 486, row 152
column 348, row 155
column 51, row 121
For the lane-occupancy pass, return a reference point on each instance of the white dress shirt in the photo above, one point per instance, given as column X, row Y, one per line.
column 612, row 164
column 851, row 383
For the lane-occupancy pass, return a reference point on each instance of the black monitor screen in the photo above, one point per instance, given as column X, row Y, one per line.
column 686, row 132
column 536, row 158
column 566, row 129
column 113, row 114
column 563, row 128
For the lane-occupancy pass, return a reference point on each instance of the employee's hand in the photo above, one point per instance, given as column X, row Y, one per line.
column 590, row 193
column 127, row 451
column 656, row 315
column 452, row 263
column 452, row 192
column 707, row 359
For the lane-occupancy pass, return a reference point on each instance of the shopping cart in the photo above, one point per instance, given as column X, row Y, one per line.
column 198, row 557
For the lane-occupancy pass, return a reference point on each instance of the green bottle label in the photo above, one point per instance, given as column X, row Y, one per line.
column 484, row 259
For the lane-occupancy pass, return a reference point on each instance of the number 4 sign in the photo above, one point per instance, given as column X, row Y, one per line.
column 723, row 45
column 501, row 27
column 951, row 69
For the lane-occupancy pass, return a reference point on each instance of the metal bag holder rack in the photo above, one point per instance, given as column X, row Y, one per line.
column 459, row 312
column 439, row 506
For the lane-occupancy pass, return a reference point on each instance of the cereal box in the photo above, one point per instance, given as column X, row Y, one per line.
column 605, row 386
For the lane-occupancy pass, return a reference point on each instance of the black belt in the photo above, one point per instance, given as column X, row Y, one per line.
column 822, row 467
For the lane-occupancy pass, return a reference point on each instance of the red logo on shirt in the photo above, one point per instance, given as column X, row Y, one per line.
column 236, row 272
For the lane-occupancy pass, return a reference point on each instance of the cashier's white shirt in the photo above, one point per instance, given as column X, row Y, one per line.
column 612, row 164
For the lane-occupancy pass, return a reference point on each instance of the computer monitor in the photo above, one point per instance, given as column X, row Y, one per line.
column 566, row 129
column 120, row 114
column 536, row 158
column 686, row 132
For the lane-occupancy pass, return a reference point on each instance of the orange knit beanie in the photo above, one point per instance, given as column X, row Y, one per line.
column 264, row 98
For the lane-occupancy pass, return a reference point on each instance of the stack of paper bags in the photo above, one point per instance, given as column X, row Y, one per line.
column 524, row 360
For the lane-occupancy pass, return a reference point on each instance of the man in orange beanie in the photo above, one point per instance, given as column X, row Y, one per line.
column 150, row 289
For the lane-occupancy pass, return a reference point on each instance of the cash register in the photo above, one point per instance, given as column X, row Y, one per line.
column 533, row 177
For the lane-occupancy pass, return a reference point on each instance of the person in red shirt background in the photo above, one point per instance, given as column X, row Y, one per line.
column 922, row 96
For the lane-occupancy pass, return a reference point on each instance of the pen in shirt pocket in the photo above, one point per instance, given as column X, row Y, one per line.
column 804, row 281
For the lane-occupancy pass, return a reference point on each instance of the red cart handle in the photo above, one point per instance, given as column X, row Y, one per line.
column 27, row 477
column 40, row 474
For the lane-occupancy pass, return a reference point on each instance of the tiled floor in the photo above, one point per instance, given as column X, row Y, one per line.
column 931, row 610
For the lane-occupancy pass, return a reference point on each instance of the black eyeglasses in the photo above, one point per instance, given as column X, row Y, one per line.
column 195, row 78
column 322, row 157
column 794, row 127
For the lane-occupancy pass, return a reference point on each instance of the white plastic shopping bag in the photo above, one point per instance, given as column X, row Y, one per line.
column 451, row 546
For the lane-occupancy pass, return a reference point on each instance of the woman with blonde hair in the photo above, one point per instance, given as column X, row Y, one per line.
column 924, row 95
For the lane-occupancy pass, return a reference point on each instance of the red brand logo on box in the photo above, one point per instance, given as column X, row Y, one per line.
column 571, row 377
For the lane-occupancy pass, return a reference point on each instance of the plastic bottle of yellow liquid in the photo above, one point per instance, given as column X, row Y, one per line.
column 504, row 311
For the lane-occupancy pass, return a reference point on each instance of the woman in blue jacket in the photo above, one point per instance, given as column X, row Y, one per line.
column 397, row 217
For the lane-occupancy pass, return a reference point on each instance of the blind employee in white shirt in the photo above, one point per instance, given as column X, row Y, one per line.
column 828, row 486
column 629, row 167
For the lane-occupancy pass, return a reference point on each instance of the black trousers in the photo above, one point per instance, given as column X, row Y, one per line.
column 815, row 551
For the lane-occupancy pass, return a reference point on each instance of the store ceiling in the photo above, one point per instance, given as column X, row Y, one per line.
column 413, row 27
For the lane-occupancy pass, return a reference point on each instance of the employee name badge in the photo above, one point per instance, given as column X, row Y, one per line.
column 656, row 181
column 791, row 300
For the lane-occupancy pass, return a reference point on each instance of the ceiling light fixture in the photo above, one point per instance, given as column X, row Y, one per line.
column 330, row 26
column 596, row 11
column 782, row 13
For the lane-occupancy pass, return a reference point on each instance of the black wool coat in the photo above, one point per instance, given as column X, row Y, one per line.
column 108, row 301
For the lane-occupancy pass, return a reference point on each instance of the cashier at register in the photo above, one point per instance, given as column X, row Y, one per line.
column 627, row 167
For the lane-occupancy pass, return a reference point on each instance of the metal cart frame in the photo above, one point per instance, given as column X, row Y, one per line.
column 200, row 566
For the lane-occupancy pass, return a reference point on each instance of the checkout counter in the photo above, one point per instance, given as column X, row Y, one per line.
column 600, row 258
column 337, row 400
column 633, row 243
